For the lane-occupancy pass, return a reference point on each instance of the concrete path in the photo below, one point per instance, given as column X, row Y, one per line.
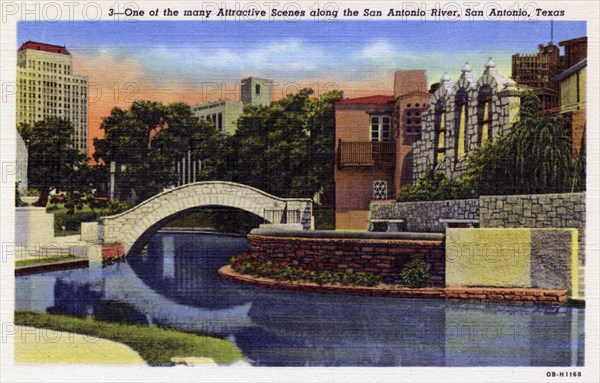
column 43, row 346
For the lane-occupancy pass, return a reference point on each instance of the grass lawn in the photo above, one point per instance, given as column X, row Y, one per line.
column 154, row 344
column 45, row 260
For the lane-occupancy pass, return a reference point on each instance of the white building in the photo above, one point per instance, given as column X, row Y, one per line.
column 46, row 88
column 225, row 113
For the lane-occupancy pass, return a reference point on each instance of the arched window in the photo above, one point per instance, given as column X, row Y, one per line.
column 440, row 131
column 484, row 106
column 461, row 116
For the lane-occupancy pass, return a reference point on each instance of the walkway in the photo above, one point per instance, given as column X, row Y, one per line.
column 43, row 346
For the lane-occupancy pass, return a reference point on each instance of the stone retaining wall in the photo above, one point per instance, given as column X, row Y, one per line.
column 564, row 210
column 385, row 257
column 425, row 216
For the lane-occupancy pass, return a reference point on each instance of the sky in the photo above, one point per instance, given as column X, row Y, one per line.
column 199, row 61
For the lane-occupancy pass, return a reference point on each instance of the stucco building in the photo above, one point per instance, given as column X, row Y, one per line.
column 374, row 138
column 46, row 88
column 572, row 85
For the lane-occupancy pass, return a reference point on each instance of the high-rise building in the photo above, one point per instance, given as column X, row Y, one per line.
column 538, row 71
column 46, row 88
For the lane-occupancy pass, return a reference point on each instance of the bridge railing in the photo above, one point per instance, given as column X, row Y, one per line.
column 282, row 216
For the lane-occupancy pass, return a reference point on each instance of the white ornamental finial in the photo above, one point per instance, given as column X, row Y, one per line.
column 445, row 77
column 490, row 63
column 466, row 68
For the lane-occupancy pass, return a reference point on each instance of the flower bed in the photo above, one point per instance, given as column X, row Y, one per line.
column 247, row 263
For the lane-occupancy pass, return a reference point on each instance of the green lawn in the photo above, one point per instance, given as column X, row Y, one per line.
column 154, row 344
column 45, row 260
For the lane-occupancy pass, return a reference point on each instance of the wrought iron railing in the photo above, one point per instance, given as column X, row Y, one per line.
column 377, row 153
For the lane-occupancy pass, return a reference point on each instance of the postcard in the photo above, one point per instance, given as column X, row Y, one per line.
column 337, row 191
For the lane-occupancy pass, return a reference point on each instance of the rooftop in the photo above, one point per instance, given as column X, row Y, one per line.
column 563, row 75
column 369, row 100
column 44, row 47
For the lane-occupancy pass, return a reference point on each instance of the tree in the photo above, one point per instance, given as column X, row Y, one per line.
column 147, row 140
column 287, row 148
column 535, row 157
column 53, row 160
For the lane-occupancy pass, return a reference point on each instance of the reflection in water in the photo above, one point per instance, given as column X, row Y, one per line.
column 176, row 284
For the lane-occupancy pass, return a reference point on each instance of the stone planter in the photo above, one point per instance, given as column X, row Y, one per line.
column 30, row 199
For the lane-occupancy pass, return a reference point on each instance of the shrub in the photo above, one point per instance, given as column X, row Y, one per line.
column 415, row 273
column 72, row 221
column 280, row 270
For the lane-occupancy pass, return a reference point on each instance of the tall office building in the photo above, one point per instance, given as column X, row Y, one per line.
column 46, row 88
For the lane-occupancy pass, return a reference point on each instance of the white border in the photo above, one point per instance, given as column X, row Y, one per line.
column 574, row 10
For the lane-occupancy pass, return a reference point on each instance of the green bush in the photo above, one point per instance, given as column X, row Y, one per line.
column 436, row 187
column 282, row 271
column 324, row 217
column 72, row 222
column 415, row 273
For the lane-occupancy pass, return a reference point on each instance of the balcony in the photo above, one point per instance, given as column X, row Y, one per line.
column 377, row 153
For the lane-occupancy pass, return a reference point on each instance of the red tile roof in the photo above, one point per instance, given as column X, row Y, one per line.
column 44, row 47
column 379, row 99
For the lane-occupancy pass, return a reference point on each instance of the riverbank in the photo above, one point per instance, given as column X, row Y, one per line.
column 154, row 345
column 471, row 294
column 47, row 264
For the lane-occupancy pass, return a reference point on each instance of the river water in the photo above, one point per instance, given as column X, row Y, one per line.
column 175, row 283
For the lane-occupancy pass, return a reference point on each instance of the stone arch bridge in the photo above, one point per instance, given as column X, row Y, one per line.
column 135, row 226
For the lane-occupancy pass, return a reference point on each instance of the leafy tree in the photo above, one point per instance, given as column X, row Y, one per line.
column 53, row 160
column 287, row 148
column 147, row 140
column 534, row 158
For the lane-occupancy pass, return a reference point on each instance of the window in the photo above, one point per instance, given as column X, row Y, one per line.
column 380, row 128
column 220, row 122
column 484, row 104
column 461, row 116
column 257, row 89
column 380, row 190
column 440, row 131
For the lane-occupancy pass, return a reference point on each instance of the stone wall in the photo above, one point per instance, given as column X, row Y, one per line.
column 425, row 216
column 544, row 211
column 456, row 140
column 510, row 257
column 384, row 255
column 565, row 210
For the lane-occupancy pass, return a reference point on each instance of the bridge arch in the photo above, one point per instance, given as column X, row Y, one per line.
column 133, row 226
